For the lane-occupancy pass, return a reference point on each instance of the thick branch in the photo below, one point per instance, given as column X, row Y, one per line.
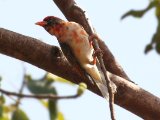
column 136, row 99
column 42, row 55
column 50, row 58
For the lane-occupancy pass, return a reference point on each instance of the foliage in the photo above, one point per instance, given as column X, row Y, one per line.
column 155, row 42
column 82, row 87
column 19, row 114
column 35, row 86
column 44, row 86
column 40, row 86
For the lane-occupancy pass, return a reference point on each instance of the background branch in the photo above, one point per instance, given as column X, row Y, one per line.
column 49, row 58
column 40, row 96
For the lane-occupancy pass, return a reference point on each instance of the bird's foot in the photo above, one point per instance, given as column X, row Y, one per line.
column 92, row 37
column 98, row 51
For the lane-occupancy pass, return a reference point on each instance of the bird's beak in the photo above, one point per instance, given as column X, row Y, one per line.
column 41, row 23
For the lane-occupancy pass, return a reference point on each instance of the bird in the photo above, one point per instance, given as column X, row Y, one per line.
column 74, row 35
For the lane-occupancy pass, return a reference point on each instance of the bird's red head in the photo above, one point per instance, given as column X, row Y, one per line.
column 49, row 22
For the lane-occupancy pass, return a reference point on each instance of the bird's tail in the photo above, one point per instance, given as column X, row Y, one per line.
column 104, row 85
column 104, row 90
column 99, row 79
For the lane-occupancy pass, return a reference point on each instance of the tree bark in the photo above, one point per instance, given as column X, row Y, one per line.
column 51, row 58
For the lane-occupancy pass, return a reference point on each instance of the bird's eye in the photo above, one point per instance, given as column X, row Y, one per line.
column 52, row 22
column 49, row 22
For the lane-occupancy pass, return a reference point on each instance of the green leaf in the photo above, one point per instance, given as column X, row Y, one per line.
column 157, row 11
column 2, row 99
column 140, row 13
column 8, row 108
column 157, row 48
column 53, row 110
column 4, row 118
column 28, row 77
column 60, row 116
column 3, row 114
column 18, row 114
column 148, row 48
column 156, row 37
column 134, row 13
column 44, row 103
column 155, row 40
column 82, row 87
column 53, row 77
column 40, row 87
column 1, row 111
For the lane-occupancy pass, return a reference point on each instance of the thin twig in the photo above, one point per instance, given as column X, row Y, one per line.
column 40, row 96
column 100, row 58
column 73, row 7
column 110, row 91
column 108, row 81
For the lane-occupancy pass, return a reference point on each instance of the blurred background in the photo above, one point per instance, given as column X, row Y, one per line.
column 126, row 39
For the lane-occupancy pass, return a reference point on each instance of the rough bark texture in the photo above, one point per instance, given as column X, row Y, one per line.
column 136, row 99
column 51, row 58
column 42, row 55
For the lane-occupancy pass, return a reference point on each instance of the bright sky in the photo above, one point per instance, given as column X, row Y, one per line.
column 126, row 39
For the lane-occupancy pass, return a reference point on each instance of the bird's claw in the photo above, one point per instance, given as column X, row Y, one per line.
column 92, row 37
column 98, row 51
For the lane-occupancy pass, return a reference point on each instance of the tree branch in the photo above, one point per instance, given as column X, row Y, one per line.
column 42, row 55
column 51, row 58
column 40, row 96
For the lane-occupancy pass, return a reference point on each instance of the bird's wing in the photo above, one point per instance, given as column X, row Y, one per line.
column 68, row 53
column 73, row 61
